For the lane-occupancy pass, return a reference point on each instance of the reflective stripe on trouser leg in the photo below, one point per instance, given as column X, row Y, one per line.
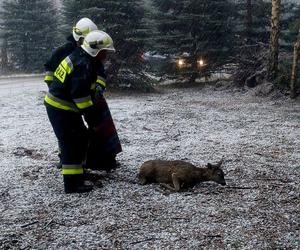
column 71, row 169
column 72, row 137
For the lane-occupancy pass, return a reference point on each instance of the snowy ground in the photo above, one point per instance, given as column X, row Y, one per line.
column 259, row 209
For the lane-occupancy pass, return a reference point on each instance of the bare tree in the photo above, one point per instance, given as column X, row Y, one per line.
column 295, row 66
column 274, row 43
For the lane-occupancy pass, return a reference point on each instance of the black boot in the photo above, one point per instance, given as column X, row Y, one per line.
column 75, row 184
column 107, row 163
column 110, row 164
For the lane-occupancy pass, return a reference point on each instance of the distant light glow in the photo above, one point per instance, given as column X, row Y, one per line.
column 201, row 62
column 181, row 63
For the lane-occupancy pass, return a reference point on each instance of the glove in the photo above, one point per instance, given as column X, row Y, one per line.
column 99, row 91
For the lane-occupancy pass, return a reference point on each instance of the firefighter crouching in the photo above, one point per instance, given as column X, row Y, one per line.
column 70, row 97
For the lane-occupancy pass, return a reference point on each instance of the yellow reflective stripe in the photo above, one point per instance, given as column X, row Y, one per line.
column 64, row 68
column 84, row 102
column 60, row 104
column 48, row 78
column 72, row 171
column 93, row 86
column 68, row 65
column 83, row 105
column 101, row 81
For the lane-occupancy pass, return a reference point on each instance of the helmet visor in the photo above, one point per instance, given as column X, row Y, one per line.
column 80, row 32
column 102, row 45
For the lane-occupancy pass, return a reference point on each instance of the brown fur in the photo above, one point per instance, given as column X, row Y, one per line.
column 175, row 175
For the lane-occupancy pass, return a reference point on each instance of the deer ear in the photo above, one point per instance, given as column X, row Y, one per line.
column 220, row 162
column 209, row 166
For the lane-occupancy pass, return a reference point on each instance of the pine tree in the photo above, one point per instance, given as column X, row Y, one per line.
column 289, row 25
column 253, row 21
column 199, row 29
column 29, row 27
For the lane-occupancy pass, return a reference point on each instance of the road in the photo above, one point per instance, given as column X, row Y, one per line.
column 15, row 84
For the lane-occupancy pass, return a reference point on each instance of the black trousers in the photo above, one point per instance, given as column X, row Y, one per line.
column 71, row 133
column 104, row 145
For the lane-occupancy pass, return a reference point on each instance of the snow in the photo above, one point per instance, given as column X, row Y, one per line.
column 258, row 137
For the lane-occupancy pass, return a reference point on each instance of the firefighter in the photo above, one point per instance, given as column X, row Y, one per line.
column 70, row 96
column 80, row 30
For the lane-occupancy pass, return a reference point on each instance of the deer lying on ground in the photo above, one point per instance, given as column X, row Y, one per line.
column 175, row 175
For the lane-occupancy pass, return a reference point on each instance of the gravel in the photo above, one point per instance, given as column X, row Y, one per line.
column 259, row 139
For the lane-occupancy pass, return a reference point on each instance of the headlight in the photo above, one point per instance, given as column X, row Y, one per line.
column 201, row 63
column 180, row 63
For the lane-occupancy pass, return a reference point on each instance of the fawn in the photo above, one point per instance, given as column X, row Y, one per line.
column 179, row 173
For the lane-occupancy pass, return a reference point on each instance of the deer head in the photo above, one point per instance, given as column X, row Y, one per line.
column 217, row 173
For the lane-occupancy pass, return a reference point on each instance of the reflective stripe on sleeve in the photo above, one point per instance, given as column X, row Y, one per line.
column 72, row 169
column 60, row 104
column 101, row 81
column 93, row 86
column 67, row 64
column 84, row 102
column 48, row 76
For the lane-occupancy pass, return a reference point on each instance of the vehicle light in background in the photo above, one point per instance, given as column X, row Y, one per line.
column 200, row 62
column 180, row 63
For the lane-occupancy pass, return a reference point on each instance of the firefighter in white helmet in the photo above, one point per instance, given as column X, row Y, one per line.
column 104, row 143
column 80, row 30
column 74, row 40
column 70, row 96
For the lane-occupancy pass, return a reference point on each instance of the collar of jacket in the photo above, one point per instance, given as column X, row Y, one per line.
column 71, row 39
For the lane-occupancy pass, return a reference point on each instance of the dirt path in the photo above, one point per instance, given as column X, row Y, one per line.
column 259, row 209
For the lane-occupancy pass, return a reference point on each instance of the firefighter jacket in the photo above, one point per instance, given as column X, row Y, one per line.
column 74, row 84
column 57, row 56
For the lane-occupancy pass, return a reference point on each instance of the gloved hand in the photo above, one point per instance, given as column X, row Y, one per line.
column 99, row 91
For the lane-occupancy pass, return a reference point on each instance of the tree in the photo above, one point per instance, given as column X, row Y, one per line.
column 249, row 19
column 274, row 39
column 201, row 30
column 252, row 21
column 30, row 30
column 4, row 59
column 295, row 67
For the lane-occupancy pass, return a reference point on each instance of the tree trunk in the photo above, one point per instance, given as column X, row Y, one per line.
column 274, row 44
column 249, row 21
column 295, row 67
column 4, row 58
column 194, row 52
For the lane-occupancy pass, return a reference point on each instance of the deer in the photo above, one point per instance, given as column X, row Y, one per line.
column 177, row 174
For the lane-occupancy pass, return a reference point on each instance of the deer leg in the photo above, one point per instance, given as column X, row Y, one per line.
column 167, row 186
column 142, row 181
column 176, row 182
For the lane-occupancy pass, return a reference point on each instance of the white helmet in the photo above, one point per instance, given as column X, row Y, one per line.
column 96, row 41
column 83, row 27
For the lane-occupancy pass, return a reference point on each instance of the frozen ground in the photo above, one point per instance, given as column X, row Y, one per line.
column 259, row 209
